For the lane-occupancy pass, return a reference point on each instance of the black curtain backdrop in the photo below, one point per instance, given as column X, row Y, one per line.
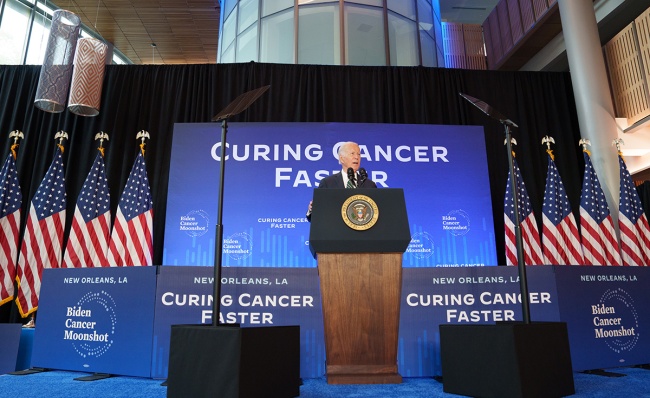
column 153, row 98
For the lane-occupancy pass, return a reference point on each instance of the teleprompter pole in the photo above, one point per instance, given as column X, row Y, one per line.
column 521, row 264
column 241, row 103
column 218, row 241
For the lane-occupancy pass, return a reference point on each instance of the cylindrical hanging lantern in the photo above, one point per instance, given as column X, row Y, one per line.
column 88, row 77
column 56, row 70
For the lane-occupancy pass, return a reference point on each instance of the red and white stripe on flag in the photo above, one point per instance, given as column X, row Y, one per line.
column 8, row 253
column 632, row 222
column 599, row 242
column 132, row 240
column 560, row 239
column 528, row 226
column 43, row 240
column 10, row 202
column 530, row 239
column 132, row 236
column 88, row 241
column 635, row 240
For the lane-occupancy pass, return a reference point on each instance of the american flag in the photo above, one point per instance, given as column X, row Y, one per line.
column 43, row 239
column 561, row 242
column 88, row 241
column 10, row 200
column 632, row 222
column 599, row 243
column 132, row 237
column 528, row 226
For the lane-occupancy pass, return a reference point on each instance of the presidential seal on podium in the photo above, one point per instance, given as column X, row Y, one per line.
column 359, row 212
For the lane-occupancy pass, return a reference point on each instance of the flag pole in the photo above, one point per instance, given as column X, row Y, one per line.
column 521, row 265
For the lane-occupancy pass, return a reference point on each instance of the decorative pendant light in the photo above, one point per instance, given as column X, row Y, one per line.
column 56, row 70
column 88, row 77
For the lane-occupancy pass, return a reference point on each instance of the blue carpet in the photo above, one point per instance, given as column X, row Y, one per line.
column 61, row 384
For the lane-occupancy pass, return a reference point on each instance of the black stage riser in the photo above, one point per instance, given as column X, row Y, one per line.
column 507, row 360
column 233, row 362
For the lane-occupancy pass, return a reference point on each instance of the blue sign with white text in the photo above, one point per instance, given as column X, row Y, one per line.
column 101, row 320
column 250, row 297
column 464, row 296
column 258, row 297
column 606, row 311
column 271, row 170
column 96, row 320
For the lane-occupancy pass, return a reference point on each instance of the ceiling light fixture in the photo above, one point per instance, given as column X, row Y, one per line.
column 88, row 76
column 56, row 70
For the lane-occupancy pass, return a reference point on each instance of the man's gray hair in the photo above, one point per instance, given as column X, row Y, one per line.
column 345, row 144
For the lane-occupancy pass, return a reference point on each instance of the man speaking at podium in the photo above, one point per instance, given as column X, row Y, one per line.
column 350, row 176
column 359, row 260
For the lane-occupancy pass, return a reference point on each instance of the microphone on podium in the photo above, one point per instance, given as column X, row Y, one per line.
column 363, row 176
column 351, row 177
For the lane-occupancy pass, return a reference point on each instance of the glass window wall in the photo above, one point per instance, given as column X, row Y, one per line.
column 276, row 38
column 228, row 56
column 319, row 35
column 248, row 10
column 403, row 41
column 271, row 7
column 247, row 45
column 228, row 7
column 13, row 32
column 364, row 32
column 403, row 8
column 228, row 32
column 326, row 35
column 38, row 40
column 425, row 16
column 301, row 2
column 428, row 50
column 374, row 3
column 437, row 36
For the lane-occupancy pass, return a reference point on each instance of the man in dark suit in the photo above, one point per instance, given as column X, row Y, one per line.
column 350, row 159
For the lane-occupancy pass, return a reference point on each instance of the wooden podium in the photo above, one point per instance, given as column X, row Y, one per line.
column 358, row 237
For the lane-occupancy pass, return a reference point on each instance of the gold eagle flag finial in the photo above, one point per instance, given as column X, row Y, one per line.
column 16, row 135
column 142, row 135
column 584, row 143
column 547, row 140
column 618, row 142
column 61, row 135
column 513, row 142
column 101, row 136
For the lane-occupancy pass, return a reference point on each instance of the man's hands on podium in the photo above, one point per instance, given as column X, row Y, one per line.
column 309, row 211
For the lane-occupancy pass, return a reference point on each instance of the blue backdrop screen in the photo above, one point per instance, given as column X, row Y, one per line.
column 271, row 170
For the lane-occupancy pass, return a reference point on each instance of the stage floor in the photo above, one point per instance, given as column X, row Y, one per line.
column 61, row 384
